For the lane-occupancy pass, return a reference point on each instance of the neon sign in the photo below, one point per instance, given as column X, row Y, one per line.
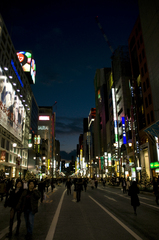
column 16, row 72
column 44, row 118
column 124, row 132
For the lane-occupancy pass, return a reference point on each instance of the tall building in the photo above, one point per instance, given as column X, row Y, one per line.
column 46, row 131
column 149, row 15
column 15, row 109
column 142, row 100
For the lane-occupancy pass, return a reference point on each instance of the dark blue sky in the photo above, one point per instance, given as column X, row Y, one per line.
column 68, row 47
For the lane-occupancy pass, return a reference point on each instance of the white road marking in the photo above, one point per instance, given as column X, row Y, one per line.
column 110, row 198
column 157, row 207
column 6, row 230
column 52, row 228
column 118, row 221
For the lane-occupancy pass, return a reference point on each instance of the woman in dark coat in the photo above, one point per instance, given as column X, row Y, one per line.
column 12, row 201
column 133, row 192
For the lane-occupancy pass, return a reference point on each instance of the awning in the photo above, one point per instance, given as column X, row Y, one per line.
column 153, row 129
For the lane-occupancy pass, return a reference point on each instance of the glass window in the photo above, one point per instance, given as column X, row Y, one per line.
column 152, row 117
column 148, row 118
column 146, row 102
column 10, row 158
column 144, row 86
column 145, row 67
column 149, row 97
column 7, row 145
column 2, row 142
column 147, row 82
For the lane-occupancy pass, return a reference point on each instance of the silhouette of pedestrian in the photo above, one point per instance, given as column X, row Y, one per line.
column 133, row 192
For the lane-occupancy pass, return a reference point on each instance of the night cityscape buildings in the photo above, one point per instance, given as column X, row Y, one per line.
column 120, row 134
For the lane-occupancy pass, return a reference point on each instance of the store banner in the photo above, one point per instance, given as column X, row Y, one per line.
column 12, row 112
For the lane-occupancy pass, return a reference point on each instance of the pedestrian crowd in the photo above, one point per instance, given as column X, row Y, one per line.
column 22, row 197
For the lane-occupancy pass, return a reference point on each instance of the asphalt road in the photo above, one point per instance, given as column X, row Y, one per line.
column 102, row 213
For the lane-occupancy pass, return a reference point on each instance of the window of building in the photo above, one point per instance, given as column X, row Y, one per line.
column 120, row 111
column 145, row 67
column 141, row 40
column 147, row 82
column 142, row 72
column 146, row 102
column 7, row 145
column 152, row 117
column 6, row 157
column 2, row 142
column 148, row 118
column 10, row 158
column 144, row 86
column 140, row 58
column 143, row 53
column 150, row 100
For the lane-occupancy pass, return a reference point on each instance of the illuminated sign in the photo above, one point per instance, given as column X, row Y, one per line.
column 109, row 159
column 44, row 118
column 3, row 156
column 124, row 132
column 16, row 72
column 12, row 112
column 28, row 63
column 43, row 128
column 37, row 139
column 154, row 165
column 114, row 115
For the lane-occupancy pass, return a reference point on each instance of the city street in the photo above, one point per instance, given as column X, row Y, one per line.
column 102, row 213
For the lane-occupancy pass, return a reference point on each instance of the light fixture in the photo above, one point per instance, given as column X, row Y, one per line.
column 23, row 100
column 26, row 105
column 21, row 95
column 18, row 90
column 10, row 77
column 14, row 144
column 5, row 68
column 14, row 84
column 30, row 145
column 28, row 109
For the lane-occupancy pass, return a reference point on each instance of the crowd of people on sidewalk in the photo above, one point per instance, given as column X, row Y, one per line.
column 22, row 196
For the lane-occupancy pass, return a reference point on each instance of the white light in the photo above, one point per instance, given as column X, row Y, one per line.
column 44, row 118
column 21, row 95
column 23, row 100
column 28, row 109
column 26, row 105
column 5, row 68
column 10, row 77
column 14, row 144
column 14, row 84
column 18, row 90
column 30, row 145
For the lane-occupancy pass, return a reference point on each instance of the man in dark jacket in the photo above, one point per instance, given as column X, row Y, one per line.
column 156, row 189
column 29, row 204
column 68, row 185
column 12, row 201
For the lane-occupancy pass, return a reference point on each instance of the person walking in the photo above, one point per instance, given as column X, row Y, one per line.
column 127, row 185
column 11, row 201
column 124, row 185
column 2, row 188
column 85, row 184
column 68, row 185
column 79, row 189
column 133, row 192
column 41, row 189
column 52, row 184
column 28, row 204
column 156, row 189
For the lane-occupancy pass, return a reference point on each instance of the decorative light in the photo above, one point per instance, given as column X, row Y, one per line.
column 14, row 144
column 10, row 77
column 14, row 84
column 21, row 95
column 23, row 100
column 5, row 68
column 18, row 90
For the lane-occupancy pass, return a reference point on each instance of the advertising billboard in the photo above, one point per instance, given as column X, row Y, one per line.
column 28, row 64
column 12, row 112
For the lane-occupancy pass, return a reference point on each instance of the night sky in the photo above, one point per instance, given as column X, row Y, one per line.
column 68, row 47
